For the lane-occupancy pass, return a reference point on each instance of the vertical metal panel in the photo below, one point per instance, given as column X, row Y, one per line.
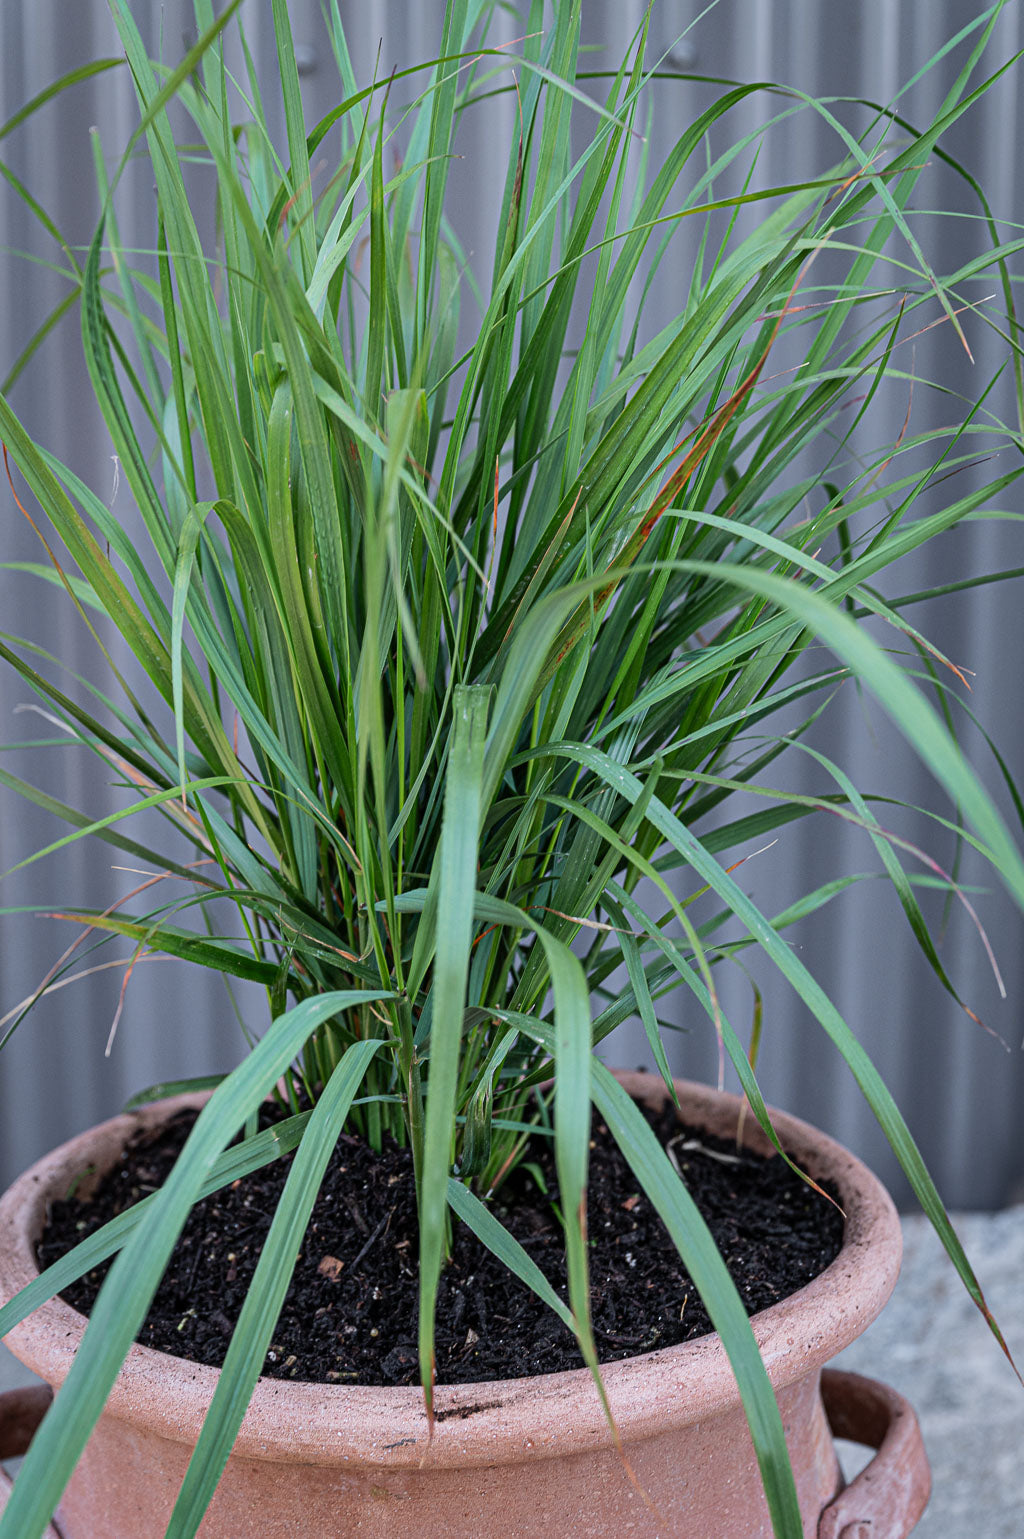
column 959, row 1088
column 54, row 1075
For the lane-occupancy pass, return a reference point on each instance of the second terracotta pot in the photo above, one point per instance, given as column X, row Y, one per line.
column 521, row 1458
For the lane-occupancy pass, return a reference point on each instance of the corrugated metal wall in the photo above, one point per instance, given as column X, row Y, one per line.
column 959, row 1087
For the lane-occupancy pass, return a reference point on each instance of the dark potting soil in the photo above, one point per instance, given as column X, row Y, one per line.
column 350, row 1313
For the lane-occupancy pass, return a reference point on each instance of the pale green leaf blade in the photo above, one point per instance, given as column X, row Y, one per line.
column 457, row 860
column 690, row 1233
column 120, row 1308
column 258, row 1319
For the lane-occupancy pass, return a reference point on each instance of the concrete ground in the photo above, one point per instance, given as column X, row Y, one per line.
column 933, row 1346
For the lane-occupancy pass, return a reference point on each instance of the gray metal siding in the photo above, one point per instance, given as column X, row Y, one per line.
column 959, row 1087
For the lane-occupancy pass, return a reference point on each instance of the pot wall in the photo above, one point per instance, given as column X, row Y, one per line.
column 702, row 1481
column 523, row 1457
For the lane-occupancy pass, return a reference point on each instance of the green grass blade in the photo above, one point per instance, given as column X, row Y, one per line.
column 99, row 825
column 492, row 1233
column 457, row 862
column 172, row 1087
column 57, row 88
column 120, row 1308
column 682, row 1218
column 232, row 1165
column 255, row 1327
column 876, row 1092
column 182, row 577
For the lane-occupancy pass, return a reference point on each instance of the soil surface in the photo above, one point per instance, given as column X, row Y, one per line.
column 350, row 1313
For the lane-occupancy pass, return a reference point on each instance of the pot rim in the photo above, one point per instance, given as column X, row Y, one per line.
column 386, row 1426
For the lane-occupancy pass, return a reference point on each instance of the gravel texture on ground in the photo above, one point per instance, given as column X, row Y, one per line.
column 932, row 1345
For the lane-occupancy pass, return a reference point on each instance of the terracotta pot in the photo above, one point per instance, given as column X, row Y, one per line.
column 520, row 1458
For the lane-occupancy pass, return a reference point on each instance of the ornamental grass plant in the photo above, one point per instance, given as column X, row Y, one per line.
column 462, row 649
